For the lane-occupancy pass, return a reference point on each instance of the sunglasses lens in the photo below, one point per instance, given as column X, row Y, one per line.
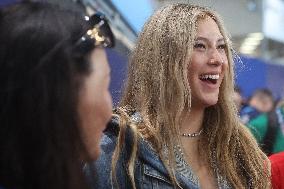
column 104, row 31
column 98, row 35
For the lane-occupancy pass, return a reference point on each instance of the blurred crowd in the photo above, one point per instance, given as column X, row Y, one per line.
column 264, row 116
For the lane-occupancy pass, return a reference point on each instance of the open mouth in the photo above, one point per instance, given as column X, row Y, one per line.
column 209, row 78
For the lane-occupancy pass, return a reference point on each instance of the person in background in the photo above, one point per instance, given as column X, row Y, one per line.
column 264, row 121
column 277, row 170
column 177, row 125
column 54, row 97
column 273, row 141
column 260, row 102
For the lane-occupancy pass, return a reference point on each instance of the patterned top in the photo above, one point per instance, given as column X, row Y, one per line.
column 182, row 167
column 186, row 171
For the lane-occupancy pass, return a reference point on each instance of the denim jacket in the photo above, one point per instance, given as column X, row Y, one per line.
column 149, row 171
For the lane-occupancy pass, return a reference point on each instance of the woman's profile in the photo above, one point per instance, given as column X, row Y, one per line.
column 54, row 98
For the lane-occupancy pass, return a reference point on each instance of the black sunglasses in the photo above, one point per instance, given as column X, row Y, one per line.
column 99, row 34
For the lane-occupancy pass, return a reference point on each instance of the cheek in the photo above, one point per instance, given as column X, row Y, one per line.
column 192, row 71
column 101, row 99
column 95, row 111
column 103, row 106
column 225, row 67
column 225, row 60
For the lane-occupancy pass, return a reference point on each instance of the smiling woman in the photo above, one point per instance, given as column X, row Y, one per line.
column 208, row 64
column 177, row 125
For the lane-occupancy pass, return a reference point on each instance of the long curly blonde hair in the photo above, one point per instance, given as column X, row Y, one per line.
column 158, row 88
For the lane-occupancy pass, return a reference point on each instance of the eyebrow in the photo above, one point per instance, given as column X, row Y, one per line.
column 206, row 39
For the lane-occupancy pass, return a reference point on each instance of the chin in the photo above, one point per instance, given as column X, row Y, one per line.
column 209, row 103
column 94, row 154
column 205, row 100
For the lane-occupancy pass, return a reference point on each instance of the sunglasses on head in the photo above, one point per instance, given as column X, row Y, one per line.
column 98, row 35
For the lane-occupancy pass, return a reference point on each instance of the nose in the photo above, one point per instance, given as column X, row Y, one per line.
column 215, row 58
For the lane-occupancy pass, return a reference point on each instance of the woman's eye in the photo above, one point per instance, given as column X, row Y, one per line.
column 223, row 46
column 199, row 46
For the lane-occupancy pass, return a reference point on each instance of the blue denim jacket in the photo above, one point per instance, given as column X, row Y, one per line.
column 149, row 173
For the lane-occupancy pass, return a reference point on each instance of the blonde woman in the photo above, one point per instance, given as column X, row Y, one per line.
column 176, row 125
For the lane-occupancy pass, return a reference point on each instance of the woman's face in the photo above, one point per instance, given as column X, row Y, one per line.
column 95, row 103
column 208, row 64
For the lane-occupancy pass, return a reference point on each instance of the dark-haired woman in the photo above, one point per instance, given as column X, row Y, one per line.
column 54, row 98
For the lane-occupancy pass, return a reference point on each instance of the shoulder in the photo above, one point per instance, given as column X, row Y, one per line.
column 261, row 119
column 112, row 126
column 277, row 170
column 98, row 173
column 277, row 158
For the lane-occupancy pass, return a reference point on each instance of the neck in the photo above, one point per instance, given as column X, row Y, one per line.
column 192, row 121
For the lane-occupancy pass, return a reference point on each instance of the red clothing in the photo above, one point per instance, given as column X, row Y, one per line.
column 277, row 170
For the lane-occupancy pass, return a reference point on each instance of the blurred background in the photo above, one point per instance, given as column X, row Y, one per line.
column 256, row 28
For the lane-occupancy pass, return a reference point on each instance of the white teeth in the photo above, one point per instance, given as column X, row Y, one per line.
column 210, row 76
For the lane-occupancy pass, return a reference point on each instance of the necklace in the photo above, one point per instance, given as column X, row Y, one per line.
column 191, row 135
